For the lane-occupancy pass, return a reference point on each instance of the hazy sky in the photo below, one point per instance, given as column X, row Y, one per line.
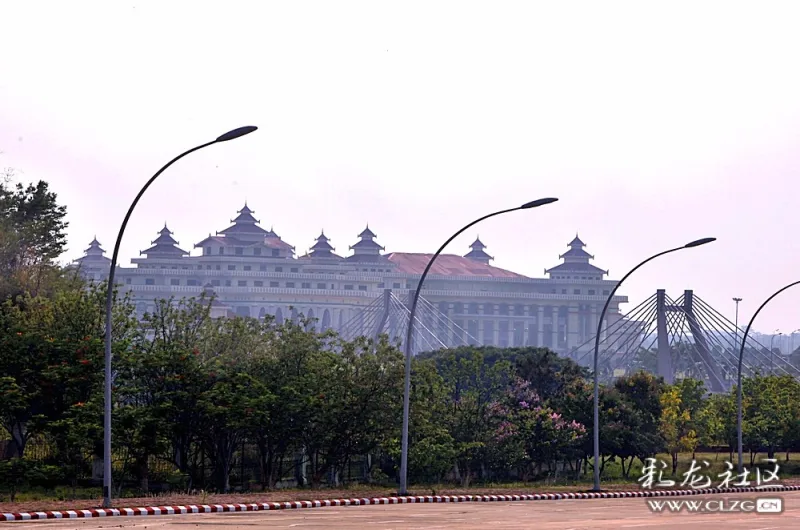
column 656, row 123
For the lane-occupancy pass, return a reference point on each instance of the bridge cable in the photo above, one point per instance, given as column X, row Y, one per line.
column 614, row 328
column 653, row 331
column 631, row 321
column 641, row 333
column 720, row 341
column 765, row 358
column 445, row 319
column 647, row 331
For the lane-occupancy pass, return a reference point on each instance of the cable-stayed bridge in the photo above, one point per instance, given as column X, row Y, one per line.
column 389, row 314
column 682, row 338
column 672, row 338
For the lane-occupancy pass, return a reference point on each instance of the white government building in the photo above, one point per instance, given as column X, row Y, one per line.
column 253, row 272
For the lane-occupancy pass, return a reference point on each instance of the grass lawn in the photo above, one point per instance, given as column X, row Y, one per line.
column 62, row 498
column 716, row 466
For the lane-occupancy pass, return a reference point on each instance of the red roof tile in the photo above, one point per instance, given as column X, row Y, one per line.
column 447, row 265
column 276, row 242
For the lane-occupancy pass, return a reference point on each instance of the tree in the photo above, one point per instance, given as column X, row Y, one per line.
column 531, row 435
column 717, row 420
column 680, row 417
column 671, row 417
column 636, row 418
column 32, row 236
column 576, row 402
column 355, row 408
column 681, row 405
column 159, row 379
column 770, row 410
column 51, row 352
column 234, row 399
column 431, row 452
column 474, row 386
column 284, row 369
column 547, row 373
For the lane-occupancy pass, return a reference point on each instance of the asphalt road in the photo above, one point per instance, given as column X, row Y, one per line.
column 608, row 514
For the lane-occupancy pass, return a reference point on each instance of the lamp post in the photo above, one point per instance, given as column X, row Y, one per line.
column 231, row 135
column 772, row 350
column 739, row 373
column 596, row 427
column 736, row 320
column 410, row 332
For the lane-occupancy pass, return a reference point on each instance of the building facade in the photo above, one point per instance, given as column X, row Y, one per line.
column 253, row 272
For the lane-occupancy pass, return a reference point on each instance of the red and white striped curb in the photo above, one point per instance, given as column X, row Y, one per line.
column 261, row 506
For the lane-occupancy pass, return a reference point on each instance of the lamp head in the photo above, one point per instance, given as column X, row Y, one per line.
column 236, row 133
column 700, row 242
column 537, row 203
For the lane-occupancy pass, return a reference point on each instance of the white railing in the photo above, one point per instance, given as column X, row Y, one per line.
column 122, row 272
column 462, row 295
column 253, row 290
column 502, row 294
column 370, row 279
column 346, row 272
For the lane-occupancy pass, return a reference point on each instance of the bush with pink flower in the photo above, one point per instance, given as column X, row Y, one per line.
column 531, row 436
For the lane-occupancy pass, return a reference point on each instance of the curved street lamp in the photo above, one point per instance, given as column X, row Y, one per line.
column 230, row 135
column 596, row 427
column 739, row 374
column 410, row 332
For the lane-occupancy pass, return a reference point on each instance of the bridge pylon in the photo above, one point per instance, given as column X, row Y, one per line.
column 678, row 339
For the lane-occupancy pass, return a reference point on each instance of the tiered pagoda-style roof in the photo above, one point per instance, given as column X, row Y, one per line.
column 576, row 261
column 245, row 226
column 94, row 255
column 576, row 253
column 367, row 249
column 322, row 249
column 477, row 253
column 164, row 245
column 245, row 232
column 246, row 236
column 367, row 233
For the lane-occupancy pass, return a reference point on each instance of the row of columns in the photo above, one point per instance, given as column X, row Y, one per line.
column 561, row 328
column 539, row 325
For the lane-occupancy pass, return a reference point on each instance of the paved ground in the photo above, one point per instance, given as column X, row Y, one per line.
column 609, row 514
